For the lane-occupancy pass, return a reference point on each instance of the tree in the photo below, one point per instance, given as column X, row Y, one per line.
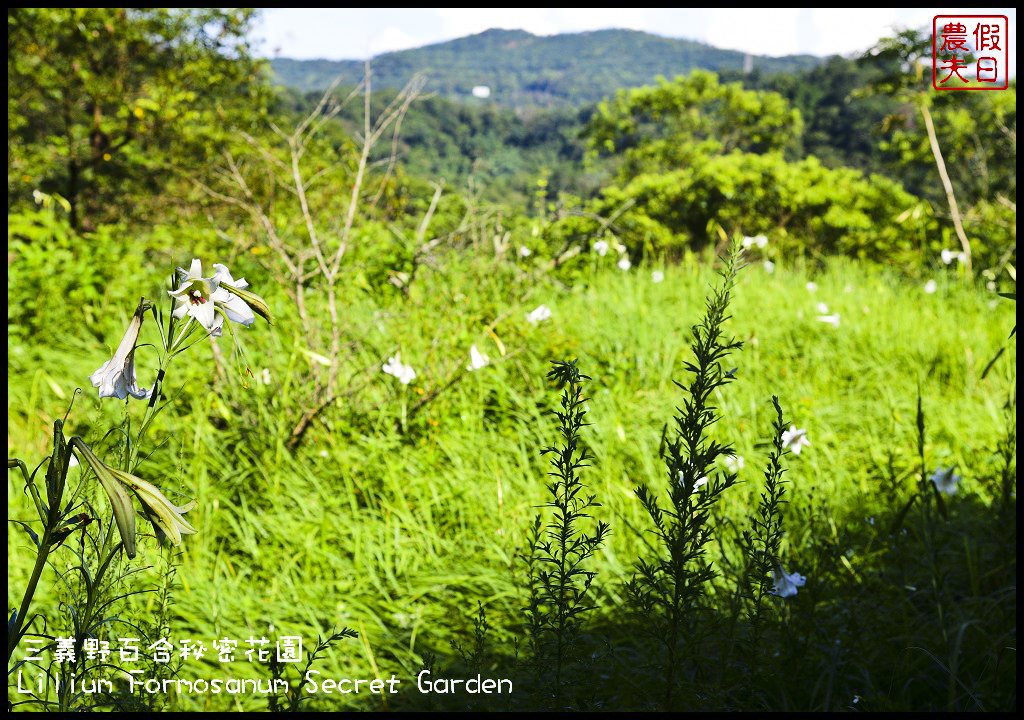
column 669, row 125
column 102, row 102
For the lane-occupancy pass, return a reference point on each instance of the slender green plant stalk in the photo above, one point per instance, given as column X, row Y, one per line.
column 667, row 588
column 559, row 584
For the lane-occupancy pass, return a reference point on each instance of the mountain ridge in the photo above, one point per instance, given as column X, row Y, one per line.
column 526, row 70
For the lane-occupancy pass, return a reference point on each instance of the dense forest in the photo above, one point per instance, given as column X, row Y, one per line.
column 657, row 377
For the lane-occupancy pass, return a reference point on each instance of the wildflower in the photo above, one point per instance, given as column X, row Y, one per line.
column 734, row 464
column 395, row 367
column 699, row 483
column 822, row 308
column 167, row 518
column 945, row 480
column 542, row 313
column 930, row 287
column 758, row 240
column 949, row 256
column 116, row 377
column 786, row 583
column 832, row 320
column 769, row 267
column 244, row 302
column 795, row 439
column 477, row 359
column 657, row 276
column 525, row 251
column 625, row 264
column 200, row 297
column 811, row 286
column 601, row 247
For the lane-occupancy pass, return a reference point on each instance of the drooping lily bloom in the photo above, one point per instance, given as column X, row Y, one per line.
column 116, row 377
column 794, row 439
column 477, row 359
column 166, row 517
column 786, row 583
column 233, row 306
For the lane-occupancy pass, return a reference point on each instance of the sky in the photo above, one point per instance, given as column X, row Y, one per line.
column 361, row 33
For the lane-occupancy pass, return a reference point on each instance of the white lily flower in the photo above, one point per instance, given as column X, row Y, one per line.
column 233, row 306
column 697, row 485
column 931, row 286
column 949, row 256
column 601, row 247
column 794, row 439
column 657, row 276
column 200, row 297
column 625, row 264
column 945, row 480
column 734, row 464
column 116, row 377
column 769, row 267
column 786, row 583
column 832, row 320
column 540, row 314
column 758, row 240
column 477, row 359
column 396, row 368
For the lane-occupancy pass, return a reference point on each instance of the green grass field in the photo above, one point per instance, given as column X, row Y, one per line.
column 396, row 522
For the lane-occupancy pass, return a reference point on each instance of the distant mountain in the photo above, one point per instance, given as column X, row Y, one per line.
column 524, row 70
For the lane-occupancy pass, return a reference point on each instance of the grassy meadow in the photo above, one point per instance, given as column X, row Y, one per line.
column 401, row 530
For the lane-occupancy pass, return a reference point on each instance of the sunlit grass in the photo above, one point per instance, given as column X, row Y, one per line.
column 400, row 535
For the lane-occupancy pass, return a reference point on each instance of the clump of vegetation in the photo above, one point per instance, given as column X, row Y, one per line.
column 557, row 574
column 221, row 494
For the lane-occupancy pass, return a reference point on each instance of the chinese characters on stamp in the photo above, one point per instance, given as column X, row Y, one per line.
column 970, row 52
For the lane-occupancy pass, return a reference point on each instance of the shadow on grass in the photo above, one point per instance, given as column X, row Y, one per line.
column 910, row 615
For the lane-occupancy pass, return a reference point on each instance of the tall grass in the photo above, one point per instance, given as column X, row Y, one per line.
column 400, row 530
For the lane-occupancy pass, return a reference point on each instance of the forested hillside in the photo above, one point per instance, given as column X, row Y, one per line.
column 525, row 71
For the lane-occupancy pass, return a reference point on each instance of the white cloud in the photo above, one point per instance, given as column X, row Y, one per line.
column 392, row 38
column 762, row 31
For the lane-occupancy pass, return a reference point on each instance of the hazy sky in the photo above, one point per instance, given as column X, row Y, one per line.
column 359, row 33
